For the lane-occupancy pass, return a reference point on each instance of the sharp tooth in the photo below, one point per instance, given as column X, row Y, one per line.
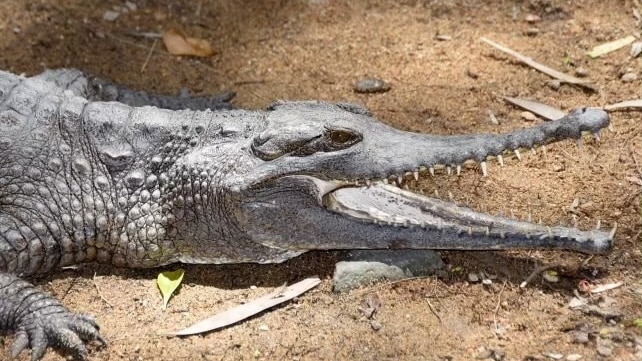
column 530, row 218
column 575, row 221
column 440, row 225
column 356, row 183
column 470, row 231
column 432, row 171
column 579, row 142
column 487, row 231
column 484, row 168
column 533, row 151
column 436, row 193
column 449, row 170
column 544, row 149
column 385, row 181
column 405, row 186
column 502, row 235
column 500, row 159
column 599, row 224
column 421, row 191
column 539, row 221
column 368, row 182
column 596, row 135
column 399, row 179
column 450, row 196
column 612, row 234
column 519, row 156
column 550, row 232
column 458, row 169
column 416, row 175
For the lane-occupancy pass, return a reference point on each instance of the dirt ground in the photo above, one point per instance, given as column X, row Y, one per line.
column 316, row 49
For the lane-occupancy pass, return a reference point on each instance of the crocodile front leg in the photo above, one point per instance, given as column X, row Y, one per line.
column 39, row 320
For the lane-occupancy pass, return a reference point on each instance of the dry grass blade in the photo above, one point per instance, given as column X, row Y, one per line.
column 535, row 65
column 634, row 103
column 606, row 48
column 543, row 110
column 249, row 309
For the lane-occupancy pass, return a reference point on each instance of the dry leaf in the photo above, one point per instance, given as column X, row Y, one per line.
column 634, row 103
column 177, row 43
column 249, row 309
column 606, row 48
column 540, row 109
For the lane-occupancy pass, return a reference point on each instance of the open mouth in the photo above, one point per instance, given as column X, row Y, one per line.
column 390, row 206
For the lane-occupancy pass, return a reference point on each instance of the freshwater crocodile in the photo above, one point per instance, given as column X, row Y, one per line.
column 93, row 181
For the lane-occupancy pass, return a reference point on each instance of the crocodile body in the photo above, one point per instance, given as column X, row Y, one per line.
column 84, row 180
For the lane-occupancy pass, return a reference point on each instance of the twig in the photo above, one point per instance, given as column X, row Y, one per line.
column 434, row 312
column 535, row 65
column 635, row 162
column 149, row 55
column 499, row 301
column 100, row 294
column 537, row 271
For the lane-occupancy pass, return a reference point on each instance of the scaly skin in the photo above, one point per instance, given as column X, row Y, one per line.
column 84, row 181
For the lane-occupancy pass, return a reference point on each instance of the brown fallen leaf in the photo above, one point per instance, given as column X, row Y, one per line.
column 177, row 43
column 540, row 109
column 241, row 312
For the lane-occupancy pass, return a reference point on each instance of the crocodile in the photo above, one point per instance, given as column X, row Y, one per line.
column 85, row 179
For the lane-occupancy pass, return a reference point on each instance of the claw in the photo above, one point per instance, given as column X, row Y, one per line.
column 21, row 343
column 500, row 159
column 612, row 234
column 519, row 156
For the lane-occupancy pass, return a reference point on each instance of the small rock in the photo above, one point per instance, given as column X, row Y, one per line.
column 473, row 277
column 532, row 31
column 528, row 116
column 487, row 282
column 636, row 49
column 483, row 353
column 554, row 84
column 443, row 37
column 580, row 336
column 629, row 77
column 110, row 15
column 581, row 72
column 264, row 328
column 371, row 85
column 362, row 267
column 553, row 355
column 573, row 357
column 253, row 287
column 131, row 6
column 499, row 354
column 532, row 18
column 376, row 325
column 604, row 351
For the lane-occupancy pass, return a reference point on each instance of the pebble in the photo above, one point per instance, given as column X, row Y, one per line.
column 636, row 49
column 554, row 84
column 581, row 72
column 604, row 347
column 264, row 328
column 376, row 325
column 473, row 277
column 532, row 31
column 483, row 353
column 573, row 357
column 532, row 18
column 553, row 355
column 528, row 116
column 110, row 15
column 629, row 77
column 580, row 336
column 443, row 37
column 371, row 85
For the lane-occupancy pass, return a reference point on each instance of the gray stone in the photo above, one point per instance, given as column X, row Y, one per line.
column 362, row 267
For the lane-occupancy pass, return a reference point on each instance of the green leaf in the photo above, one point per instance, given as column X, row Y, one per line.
column 168, row 282
column 638, row 322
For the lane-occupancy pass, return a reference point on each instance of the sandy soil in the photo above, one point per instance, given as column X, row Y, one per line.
column 316, row 49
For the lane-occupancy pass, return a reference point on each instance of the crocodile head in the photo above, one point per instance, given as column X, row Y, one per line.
column 327, row 176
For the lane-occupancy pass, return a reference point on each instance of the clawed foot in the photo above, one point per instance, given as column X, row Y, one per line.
column 60, row 329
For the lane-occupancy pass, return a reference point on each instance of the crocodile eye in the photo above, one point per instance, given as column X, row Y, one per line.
column 339, row 136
